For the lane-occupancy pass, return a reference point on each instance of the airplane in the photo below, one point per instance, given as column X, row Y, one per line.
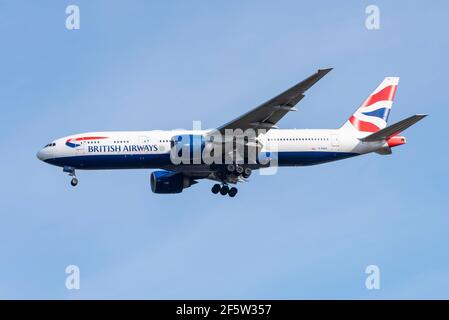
column 364, row 132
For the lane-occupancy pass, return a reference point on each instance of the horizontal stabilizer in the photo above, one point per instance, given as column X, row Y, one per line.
column 394, row 129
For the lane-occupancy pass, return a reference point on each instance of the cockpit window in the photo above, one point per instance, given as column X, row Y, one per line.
column 50, row 145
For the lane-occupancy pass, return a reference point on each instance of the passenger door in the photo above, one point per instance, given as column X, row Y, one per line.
column 80, row 149
column 335, row 142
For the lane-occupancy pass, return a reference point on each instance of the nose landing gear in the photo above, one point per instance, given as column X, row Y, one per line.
column 71, row 172
column 224, row 190
column 74, row 182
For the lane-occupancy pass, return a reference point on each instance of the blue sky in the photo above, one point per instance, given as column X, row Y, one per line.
column 302, row 233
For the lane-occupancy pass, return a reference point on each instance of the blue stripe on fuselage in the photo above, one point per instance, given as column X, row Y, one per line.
column 152, row 161
column 308, row 158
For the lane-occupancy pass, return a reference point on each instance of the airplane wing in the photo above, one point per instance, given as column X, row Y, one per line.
column 269, row 113
column 264, row 116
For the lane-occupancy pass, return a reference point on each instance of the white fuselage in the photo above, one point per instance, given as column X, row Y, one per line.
column 151, row 149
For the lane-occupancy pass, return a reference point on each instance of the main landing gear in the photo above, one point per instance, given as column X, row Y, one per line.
column 231, row 173
column 224, row 190
column 71, row 172
column 245, row 172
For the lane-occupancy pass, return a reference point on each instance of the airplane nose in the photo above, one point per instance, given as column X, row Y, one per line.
column 40, row 155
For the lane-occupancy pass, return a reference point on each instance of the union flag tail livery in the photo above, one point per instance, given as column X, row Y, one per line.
column 229, row 153
column 372, row 115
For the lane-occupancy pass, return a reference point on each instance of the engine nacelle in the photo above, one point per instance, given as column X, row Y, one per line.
column 169, row 182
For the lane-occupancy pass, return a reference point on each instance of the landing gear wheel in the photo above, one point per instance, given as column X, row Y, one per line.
column 74, row 182
column 246, row 172
column 230, row 167
column 216, row 188
column 224, row 190
column 239, row 169
column 232, row 192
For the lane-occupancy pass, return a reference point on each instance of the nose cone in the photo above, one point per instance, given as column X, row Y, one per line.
column 40, row 155
column 44, row 154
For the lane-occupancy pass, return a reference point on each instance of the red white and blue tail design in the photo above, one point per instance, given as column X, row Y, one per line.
column 372, row 115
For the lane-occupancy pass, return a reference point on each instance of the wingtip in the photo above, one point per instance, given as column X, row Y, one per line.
column 422, row 115
column 326, row 70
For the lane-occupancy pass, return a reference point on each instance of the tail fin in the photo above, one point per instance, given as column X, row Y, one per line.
column 372, row 115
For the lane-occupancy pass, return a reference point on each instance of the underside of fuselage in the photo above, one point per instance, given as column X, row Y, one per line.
column 153, row 161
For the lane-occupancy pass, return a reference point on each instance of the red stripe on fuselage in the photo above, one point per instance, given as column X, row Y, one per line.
column 386, row 94
column 88, row 138
column 363, row 125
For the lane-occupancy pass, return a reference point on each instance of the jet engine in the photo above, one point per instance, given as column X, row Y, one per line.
column 169, row 182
